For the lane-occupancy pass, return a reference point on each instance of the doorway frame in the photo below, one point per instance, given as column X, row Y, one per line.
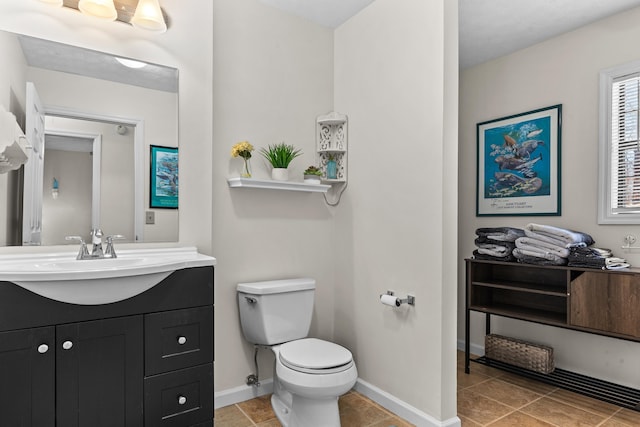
column 96, row 167
column 138, row 157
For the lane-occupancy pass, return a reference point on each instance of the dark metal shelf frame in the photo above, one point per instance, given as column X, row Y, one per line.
column 616, row 394
column 622, row 396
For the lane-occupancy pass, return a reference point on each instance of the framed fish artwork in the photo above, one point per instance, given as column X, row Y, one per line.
column 519, row 164
column 163, row 192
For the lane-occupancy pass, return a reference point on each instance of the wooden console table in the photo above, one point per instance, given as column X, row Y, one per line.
column 602, row 302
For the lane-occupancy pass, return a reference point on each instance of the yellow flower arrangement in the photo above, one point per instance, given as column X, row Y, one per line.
column 243, row 149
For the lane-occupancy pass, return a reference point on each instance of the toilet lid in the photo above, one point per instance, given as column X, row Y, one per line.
column 312, row 355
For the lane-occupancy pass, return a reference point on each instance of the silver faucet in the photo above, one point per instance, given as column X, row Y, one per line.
column 96, row 241
column 110, row 251
column 84, row 252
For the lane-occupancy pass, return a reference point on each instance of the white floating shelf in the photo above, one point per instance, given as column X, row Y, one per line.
column 277, row 185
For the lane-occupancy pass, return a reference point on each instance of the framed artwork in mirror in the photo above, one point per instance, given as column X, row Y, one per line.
column 519, row 164
column 163, row 192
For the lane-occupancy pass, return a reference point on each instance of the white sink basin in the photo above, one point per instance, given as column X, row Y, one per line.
column 61, row 277
column 115, row 264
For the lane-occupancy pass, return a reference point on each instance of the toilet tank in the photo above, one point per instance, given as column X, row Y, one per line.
column 276, row 311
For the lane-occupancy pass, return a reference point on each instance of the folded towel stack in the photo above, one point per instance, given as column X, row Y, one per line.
column 548, row 245
column 595, row 258
column 496, row 244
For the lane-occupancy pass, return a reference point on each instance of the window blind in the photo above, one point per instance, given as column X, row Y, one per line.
column 625, row 149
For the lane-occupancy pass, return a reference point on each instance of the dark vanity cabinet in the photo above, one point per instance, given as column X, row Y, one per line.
column 146, row 361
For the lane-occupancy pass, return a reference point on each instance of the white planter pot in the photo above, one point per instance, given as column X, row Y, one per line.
column 312, row 179
column 280, row 174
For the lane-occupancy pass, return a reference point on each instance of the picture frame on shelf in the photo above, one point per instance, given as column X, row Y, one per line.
column 518, row 164
column 163, row 183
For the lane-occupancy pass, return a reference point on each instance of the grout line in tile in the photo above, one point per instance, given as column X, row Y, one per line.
column 492, row 421
column 609, row 417
column 580, row 407
column 246, row 415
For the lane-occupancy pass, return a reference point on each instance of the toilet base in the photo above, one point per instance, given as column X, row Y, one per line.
column 305, row 412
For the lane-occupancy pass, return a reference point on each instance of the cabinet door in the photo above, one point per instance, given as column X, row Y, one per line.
column 100, row 373
column 27, row 378
column 606, row 302
column 590, row 301
column 624, row 300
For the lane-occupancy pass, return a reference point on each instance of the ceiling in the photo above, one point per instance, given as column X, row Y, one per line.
column 330, row 13
column 488, row 29
column 89, row 63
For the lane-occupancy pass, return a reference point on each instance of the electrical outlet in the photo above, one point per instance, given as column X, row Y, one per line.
column 150, row 217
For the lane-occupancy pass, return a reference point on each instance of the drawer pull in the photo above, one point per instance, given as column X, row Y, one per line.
column 67, row 345
column 182, row 340
column 43, row 348
column 182, row 400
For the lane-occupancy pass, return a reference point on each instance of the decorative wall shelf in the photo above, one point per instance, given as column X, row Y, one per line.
column 269, row 184
column 332, row 144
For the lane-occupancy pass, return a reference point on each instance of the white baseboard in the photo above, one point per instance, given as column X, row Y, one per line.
column 381, row 397
column 242, row 393
column 401, row 408
column 476, row 349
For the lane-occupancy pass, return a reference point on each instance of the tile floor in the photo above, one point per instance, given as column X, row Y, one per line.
column 490, row 397
column 355, row 411
column 486, row 397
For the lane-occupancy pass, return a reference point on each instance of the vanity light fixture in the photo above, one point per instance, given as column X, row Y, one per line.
column 104, row 9
column 142, row 14
column 130, row 62
column 148, row 16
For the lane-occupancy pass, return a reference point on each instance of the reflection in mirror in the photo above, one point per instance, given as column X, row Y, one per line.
column 92, row 167
column 74, row 182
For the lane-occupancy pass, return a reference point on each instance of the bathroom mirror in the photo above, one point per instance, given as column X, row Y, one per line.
column 87, row 97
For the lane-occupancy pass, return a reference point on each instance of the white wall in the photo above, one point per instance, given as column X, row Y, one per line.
column 186, row 46
column 273, row 76
column 563, row 70
column 395, row 222
column 73, row 170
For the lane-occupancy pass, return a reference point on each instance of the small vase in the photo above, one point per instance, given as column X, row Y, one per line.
column 280, row 174
column 246, row 169
column 332, row 170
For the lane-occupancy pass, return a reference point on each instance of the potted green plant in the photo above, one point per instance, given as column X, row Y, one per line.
column 312, row 175
column 280, row 155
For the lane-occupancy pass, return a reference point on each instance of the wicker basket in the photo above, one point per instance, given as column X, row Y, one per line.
column 534, row 357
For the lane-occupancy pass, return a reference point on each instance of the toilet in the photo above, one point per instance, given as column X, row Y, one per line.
column 310, row 374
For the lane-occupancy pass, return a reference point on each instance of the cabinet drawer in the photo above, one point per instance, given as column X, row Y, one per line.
column 178, row 339
column 180, row 398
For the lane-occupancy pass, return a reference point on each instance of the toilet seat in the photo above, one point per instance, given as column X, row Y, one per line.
column 314, row 356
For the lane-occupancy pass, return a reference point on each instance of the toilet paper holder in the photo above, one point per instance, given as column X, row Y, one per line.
column 410, row 299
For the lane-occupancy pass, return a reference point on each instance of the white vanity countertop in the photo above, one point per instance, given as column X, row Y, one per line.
column 130, row 262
